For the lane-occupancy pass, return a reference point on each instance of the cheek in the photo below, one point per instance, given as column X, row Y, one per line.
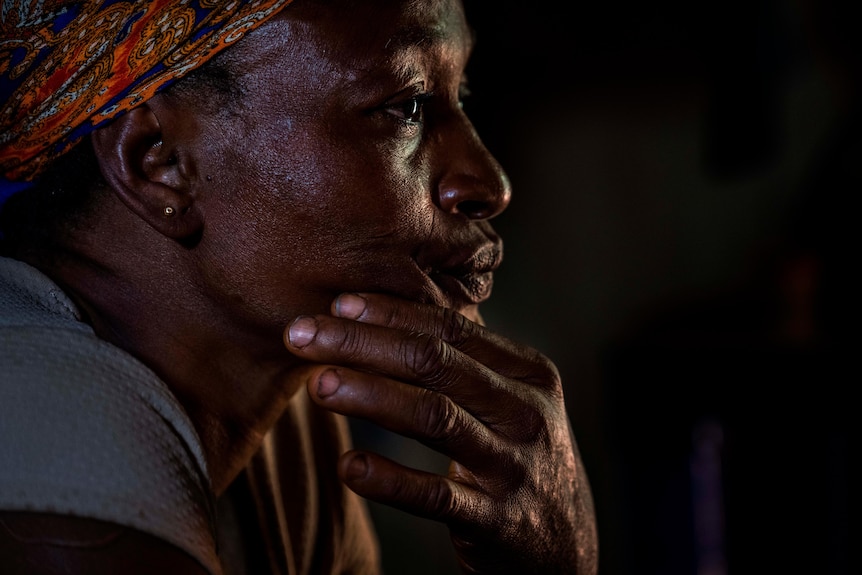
column 294, row 230
column 363, row 193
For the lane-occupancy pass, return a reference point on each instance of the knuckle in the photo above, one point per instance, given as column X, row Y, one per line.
column 436, row 416
column 391, row 317
column 433, row 498
column 425, row 355
column 441, row 500
column 456, row 329
column 353, row 342
column 544, row 374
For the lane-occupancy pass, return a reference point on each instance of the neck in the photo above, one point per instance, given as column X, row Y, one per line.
column 233, row 382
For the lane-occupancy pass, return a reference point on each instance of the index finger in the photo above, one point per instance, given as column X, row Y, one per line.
column 504, row 356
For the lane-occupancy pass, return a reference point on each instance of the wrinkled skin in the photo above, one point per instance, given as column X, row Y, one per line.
column 348, row 167
column 515, row 498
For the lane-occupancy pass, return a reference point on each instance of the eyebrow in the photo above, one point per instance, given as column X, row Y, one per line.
column 416, row 36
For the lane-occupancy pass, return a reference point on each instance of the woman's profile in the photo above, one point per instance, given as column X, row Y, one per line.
column 226, row 226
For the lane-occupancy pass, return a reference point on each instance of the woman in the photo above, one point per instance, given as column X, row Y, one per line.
column 203, row 277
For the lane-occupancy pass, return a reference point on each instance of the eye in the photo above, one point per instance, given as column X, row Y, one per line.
column 409, row 110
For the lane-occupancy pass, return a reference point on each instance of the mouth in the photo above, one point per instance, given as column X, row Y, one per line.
column 468, row 277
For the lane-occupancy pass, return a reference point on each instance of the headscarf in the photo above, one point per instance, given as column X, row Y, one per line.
column 67, row 68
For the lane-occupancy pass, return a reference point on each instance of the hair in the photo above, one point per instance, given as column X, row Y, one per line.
column 61, row 199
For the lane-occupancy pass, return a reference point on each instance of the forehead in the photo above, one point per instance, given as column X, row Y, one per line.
column 349, row 40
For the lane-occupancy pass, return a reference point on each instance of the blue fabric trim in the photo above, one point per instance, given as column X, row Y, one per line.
column 9, row 189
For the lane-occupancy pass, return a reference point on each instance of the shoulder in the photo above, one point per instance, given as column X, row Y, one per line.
column 88, row 431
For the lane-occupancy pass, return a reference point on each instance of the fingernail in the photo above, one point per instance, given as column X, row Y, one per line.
column 357, row 468
column 350, row 305
column 302, row 331
column 328, row 383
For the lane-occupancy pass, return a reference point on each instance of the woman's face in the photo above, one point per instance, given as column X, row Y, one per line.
column 348, row 165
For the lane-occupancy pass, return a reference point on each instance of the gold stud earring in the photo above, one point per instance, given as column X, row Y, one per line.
column 169, row 211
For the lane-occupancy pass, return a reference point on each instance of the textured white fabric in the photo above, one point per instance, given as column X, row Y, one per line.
column 87, row 430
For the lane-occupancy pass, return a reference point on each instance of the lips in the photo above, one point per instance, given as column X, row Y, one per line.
column 466, row 278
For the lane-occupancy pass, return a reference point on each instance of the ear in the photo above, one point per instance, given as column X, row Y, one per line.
column 146, row 172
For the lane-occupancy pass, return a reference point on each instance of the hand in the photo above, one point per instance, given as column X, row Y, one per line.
column 516, row 498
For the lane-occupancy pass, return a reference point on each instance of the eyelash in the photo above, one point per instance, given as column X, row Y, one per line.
column 411, row 110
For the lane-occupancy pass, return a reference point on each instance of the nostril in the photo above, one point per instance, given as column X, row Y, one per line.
column 474, row 209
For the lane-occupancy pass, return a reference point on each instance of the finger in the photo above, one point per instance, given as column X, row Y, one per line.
column 429, row 417
column 501, row 354
column 417, row 492
column 410, row 357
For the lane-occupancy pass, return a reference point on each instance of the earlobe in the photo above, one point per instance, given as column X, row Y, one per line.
column 147, row 174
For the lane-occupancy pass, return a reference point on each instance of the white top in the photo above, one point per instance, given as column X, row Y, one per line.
column 87, row 430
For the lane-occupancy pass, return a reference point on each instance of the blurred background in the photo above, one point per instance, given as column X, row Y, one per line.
column 679, row 244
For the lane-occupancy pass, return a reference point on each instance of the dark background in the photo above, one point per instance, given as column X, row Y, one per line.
column 684, row 175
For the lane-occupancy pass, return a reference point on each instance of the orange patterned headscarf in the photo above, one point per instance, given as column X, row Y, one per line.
column 67, row 68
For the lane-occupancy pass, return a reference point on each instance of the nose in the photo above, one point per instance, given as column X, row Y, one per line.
column 474, row 184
